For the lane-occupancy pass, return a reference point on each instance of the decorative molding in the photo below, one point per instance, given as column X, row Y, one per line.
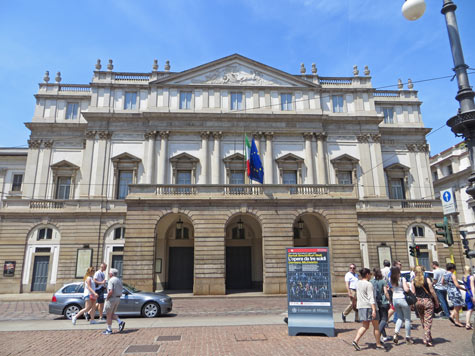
column 34, row 144
column 308, row 135
column 417, row 147
column 218, row 135
column 91, row 135
column 269, row 135
column 321, row 135
column 150, row 135
column 48, row 144
column 164, row 134
column 376, row 138
column 205, row 134
column 363, row 138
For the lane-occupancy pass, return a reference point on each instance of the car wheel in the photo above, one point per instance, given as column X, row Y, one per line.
column 150, row 310
column 71, row 310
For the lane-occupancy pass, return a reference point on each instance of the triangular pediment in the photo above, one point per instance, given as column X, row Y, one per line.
column 64, row 165
column 184, row 157
column 125, row 157
column 289, row 157
column 345, row 158
column 397, row 166
column 234, row 157
column 235, row 70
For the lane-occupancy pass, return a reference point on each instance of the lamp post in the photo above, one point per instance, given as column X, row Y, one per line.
column 462, row 124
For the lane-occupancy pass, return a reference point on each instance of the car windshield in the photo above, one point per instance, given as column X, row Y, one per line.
column 129, row 287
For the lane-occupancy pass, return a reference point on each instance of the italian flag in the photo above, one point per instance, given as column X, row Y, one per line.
column 247, row 153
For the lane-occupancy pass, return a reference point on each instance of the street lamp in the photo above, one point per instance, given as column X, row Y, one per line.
column 462, row 124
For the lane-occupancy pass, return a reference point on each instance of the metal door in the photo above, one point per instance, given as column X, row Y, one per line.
column 180, row 268
column 238, row 267
column 40, row 273
column 117, row 261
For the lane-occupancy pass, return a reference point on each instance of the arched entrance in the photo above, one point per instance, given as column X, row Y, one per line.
column 174, row 255
column 243, row 254
column 309, row 231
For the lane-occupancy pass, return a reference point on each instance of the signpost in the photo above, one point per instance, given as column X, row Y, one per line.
column 309, row 292
column 448, row 205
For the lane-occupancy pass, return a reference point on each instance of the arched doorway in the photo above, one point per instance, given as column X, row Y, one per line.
column 174, row 255
column 309, row 231
column 243, row 254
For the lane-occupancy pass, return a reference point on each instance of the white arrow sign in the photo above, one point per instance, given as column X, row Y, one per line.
column 448, row 201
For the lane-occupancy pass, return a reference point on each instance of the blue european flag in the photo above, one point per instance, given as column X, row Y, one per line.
column 255, row 164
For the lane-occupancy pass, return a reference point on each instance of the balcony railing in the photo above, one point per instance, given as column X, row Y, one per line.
column 371, row 204
column 46, row 204
column 233, row 190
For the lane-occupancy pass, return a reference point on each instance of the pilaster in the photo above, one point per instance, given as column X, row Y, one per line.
column 268, row 159
column 216, row 164
column 86, row 166
column 308, row 137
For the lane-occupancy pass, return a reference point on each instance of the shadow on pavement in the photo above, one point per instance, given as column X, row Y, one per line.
column 128, row 331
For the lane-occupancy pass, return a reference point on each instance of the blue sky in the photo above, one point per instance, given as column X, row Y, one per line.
column 69, row 36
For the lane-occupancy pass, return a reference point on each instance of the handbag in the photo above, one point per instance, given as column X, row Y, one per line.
column 439, row 308
column 410, row 298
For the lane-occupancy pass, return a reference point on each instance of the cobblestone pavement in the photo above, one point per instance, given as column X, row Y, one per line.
column 186, row 307
column 259, row 340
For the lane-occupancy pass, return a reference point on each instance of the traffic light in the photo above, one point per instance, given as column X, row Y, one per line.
column 445, row 230
column 418, row 251
column 463, row 235
column 412, row 251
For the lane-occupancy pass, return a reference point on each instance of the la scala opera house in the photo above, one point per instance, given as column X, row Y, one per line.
column 146, row 171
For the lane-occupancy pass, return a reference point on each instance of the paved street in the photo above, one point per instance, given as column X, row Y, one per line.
column 203, row 326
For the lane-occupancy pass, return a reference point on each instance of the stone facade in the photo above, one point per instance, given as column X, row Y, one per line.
column 146, row 171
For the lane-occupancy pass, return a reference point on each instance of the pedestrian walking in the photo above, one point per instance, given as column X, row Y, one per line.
column 89, row 297
column 469, row 284
column 399, row 286
column 453, row 291
column 367, row 310
column 351, row 279
column 100, row 281
column 392, row 310
column 114, row 292
column 426, row 297
column 380, row 286
column 385, row 270
column 440, row 287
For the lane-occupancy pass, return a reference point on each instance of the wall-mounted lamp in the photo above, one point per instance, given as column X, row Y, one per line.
column 179, row 223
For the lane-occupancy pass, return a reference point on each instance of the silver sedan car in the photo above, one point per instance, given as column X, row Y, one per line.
column 68, row 301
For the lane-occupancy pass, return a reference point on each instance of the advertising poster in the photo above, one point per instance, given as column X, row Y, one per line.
column 309, row 291
column 83, row 261
column 9, row 268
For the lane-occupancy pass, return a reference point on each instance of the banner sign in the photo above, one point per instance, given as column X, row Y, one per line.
column 309, row 292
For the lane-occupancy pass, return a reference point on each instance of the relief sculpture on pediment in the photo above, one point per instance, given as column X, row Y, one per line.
column 235, row 74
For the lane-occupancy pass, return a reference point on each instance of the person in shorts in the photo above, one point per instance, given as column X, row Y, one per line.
column 114, row 291
column 89, row 297
column 367, row 309
column 100, row 281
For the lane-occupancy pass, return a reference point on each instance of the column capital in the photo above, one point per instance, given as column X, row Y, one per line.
column 34, row 143
column 308, row 135
column 91, row 134
column 269, row 135
column 363, row 138
column 376, row 137
column 3, row 171
column 150, row 135
column 257, row 135
column 48, row 144
column 411, row 147
column 205, row 134
column 321, row 135
column 218, row 135
column 105, row 135
column 164, row 134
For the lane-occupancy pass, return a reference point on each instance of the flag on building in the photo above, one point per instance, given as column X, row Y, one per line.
column 255, row 170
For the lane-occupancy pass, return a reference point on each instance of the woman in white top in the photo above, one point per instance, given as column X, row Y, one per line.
column 89, row 297
column 367, row 309
column 399, row 286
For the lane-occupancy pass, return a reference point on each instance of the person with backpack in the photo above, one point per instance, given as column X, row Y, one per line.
column 380, row 285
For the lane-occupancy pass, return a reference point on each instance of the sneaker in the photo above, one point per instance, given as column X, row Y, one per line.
column 395, row 339
column 343, row 317
column 387, row 338
column 121, row 326
column 103, row 318
column 409, row 340
column 107, row 332
column 93, row 322
column 87, row 317
column 73, row 319
column 356, row 346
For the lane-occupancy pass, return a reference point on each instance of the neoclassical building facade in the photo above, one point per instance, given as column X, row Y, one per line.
column 146, row 171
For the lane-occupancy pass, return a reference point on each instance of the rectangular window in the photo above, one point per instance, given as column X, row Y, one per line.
column 435, row 175
column 185, row 100
column 17, row 180
column 418, row 231
column 63, row 188
column 286, row 102
column 119, row 233
column 184, row 177
column 130, row 100
column 236, row 101
column 388, row 115
column 396, row 190
column 344, row 177
column 337, row 103
column 237, row 177
column 45, row 234
column 450, row 170
column 238, row 234
column 72, row 111
column 125, row 178
column 289, row 177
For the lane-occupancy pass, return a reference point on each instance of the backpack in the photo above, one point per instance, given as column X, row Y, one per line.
column 378, row 295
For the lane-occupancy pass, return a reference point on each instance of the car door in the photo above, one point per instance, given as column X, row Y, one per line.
column 130, row 303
